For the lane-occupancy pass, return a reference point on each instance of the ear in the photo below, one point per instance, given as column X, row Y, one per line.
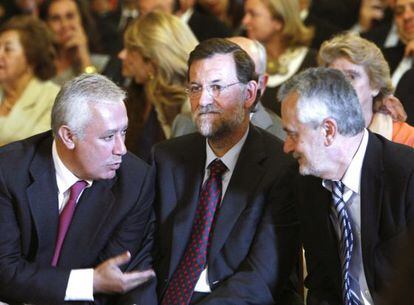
column 374, row 92
column 67, row 137
column 263, row 83
column 278, row 25
column 329, row 130
column 250, row 93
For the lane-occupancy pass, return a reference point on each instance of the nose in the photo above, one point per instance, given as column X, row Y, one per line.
column 288, row 146
column 119, row 146
column 205, row 97
column 121, row 54
column 246, row 19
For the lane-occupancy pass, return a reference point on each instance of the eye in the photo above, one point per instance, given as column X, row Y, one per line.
column 194, row 89
column 216, row 88
column 108, row 138
column 123, row 132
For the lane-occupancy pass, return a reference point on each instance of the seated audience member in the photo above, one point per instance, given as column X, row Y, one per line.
column 363, row 64
column 277, row 25
column 203, row 24
column 385, row 34
column 229, row 12
column 400, row 57
column 223, row 195
column 26, row 64
column 259, row 116
column 156, row 49
column 361, row 201
column 76, row 208
column 405, row 92
column 76, row 38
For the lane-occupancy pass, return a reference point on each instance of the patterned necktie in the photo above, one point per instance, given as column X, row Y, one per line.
column 349, row 285
column 65, row 217
column 193, row 262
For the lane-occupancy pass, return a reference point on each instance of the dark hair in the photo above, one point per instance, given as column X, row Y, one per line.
column 208, row 48
column 37, row 42
column 88, row 23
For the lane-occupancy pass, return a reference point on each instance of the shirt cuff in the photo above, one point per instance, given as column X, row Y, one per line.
column 80, row 285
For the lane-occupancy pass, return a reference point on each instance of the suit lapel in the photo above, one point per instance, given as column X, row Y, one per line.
column 188, row 177
column 43, row 200
column 371, row 199
column 239, row 190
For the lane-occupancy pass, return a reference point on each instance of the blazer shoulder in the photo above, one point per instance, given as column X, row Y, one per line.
column 395, row 157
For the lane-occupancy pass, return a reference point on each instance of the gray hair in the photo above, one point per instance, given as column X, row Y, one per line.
column 72, row 103
column 325, row 93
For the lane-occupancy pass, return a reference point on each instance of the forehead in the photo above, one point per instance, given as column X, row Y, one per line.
column 216, row 68
column 344, row 64
column 403, row 2
column 107, row 116
column 59, row 6
column 289, row 110
column 11, row 35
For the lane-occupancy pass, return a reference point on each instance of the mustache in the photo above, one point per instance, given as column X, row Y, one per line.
column 207, row 109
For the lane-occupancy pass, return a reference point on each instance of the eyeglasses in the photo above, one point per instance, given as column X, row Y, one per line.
column 214, row 90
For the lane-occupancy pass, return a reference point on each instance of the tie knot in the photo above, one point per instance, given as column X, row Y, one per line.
column 338, row 187
column 77, row 188
column 217, row 167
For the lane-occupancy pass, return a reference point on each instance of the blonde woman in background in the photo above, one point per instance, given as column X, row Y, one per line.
column 26, row 65
column 156, row 49
column 277, row 25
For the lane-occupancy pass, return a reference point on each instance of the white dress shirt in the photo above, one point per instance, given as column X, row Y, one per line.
column 80, row 284
column 230, row 160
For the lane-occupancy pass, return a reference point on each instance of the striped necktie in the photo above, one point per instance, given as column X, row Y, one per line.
column 350, row 286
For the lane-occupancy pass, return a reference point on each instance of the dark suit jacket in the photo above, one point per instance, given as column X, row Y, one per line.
column 387, row 209
column 394, row 55
column 255, row 239
column 112, row 216
column 205, row 26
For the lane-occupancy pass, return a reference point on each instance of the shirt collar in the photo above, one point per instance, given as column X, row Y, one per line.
column 230, row 158
column 64, row 177
column 352, row 176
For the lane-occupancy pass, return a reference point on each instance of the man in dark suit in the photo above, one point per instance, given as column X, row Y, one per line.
column 75, row 208
column 249, row 242
column 375, row 205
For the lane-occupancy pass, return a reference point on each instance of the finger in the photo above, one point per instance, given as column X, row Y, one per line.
column 120, row 259
column 132, row 280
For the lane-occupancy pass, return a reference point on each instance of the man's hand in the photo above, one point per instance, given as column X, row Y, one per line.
column 108, row 278
column 392, row 106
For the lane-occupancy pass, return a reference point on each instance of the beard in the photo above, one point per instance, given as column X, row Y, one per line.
column 212, row 123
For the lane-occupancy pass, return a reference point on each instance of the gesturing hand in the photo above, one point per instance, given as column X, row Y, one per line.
column 108, row 277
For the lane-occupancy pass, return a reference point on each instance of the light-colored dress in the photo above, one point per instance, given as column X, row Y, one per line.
column 32, row 112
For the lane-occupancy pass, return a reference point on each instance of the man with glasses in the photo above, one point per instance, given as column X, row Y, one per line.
column 227, row 231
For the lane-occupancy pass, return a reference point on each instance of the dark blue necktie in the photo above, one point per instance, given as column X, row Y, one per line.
column 346, row 243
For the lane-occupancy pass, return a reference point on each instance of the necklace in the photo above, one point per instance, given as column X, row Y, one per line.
column 280, row 65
